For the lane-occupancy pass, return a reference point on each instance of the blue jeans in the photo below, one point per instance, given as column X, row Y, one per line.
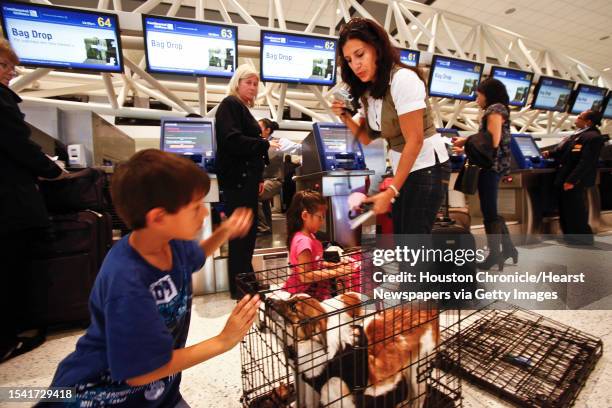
column 488, row 186
column 414, row 211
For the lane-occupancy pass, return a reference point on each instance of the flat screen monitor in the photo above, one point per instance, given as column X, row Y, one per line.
column 300, row 59
column 517, row 84
column 338, row 149
column 188, row 47
column 588, row 97
column 527, row 145
column 188, row 136
column 454, row 78
column 58, row 37
column 409, row 57
column 607, row 112
column 552, row 94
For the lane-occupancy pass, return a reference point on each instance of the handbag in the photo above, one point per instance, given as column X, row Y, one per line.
column 467, row 180
column 479, row 149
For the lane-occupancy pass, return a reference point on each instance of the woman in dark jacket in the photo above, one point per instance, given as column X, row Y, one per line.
column 22, row 210
column 493, row 98
column 241, row 157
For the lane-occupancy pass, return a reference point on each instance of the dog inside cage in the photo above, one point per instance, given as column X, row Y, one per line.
column 345, row 349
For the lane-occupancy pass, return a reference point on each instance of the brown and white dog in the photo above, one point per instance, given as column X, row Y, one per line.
column 318, row 332
column 398, row 338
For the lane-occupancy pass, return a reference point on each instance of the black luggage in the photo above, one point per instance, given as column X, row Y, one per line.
column 65, row 263
column 78, row 191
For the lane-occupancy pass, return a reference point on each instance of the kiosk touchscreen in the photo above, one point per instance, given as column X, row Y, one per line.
column 526, row 152
column 190, row 137
column 338, row 149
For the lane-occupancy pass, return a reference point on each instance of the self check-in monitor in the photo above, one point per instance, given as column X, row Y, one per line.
column 526, row 152
column 607, row 112
column 517, row 83
column 296, row 58
column 190, row 137
column 188, row 47
column 337, row 147
column 64, row 38
column 454, row 78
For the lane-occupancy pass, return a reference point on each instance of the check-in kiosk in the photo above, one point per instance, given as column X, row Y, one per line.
column 333, row 162
column 194, row 138
column 526, row 153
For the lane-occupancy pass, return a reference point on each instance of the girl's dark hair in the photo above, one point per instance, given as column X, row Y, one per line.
column 308, row 200
column 494, row 91
column 269, row 124
column 387, row 56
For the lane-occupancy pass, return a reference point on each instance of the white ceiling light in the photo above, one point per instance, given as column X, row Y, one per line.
column 606, row 69
column 414, row 27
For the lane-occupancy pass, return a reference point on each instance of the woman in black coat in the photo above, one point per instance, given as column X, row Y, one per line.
column 241, row 157
column 22, row 210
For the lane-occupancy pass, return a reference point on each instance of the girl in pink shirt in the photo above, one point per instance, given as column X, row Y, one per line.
column 305, row 217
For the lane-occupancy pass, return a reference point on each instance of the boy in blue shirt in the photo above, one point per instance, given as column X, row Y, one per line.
column 133, row 352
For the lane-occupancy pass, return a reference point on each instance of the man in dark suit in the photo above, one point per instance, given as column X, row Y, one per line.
column 576, row 171
column 22, row 211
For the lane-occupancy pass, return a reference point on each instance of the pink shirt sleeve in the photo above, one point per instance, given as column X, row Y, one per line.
column 301, row 243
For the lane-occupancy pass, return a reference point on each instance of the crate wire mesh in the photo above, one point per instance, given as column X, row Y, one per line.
column 343, row 349
column 522, row 356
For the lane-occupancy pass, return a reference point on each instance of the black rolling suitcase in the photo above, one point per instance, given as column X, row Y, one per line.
column 65, row 262
column 451, row 231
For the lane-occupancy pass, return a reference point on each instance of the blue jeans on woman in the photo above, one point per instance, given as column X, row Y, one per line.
column 488, row 187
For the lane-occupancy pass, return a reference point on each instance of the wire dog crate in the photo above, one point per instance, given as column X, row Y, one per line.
column 522, row 356
column 332, row 344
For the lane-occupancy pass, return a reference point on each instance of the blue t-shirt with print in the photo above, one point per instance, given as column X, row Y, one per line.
column 139, row 315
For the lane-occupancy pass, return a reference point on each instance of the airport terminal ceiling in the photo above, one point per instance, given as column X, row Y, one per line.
column 495, row 33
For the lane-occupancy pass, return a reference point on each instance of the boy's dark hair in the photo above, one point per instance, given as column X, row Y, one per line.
column 494, row 91
column 152, row 178
column 308, row 200
column 594, row 116
column 387, row 56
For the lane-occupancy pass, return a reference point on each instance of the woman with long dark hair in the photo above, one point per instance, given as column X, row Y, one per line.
column 394, row 106
column 493, row 98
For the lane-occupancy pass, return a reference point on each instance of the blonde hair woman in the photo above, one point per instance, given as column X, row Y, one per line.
column 241, row 157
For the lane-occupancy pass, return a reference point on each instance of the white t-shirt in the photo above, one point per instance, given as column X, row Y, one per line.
column 408, row 94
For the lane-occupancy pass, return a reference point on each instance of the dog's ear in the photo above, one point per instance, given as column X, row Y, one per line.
column 311, row 308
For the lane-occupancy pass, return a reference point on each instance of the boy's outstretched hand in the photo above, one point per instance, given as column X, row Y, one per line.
column 240, row 321
column 239, row 223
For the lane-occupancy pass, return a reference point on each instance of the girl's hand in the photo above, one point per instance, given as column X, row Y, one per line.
column 459, row 141
column 381, row 201
column 274, row 144
column 240, row 321
column 238, row 225
column 458, row 150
